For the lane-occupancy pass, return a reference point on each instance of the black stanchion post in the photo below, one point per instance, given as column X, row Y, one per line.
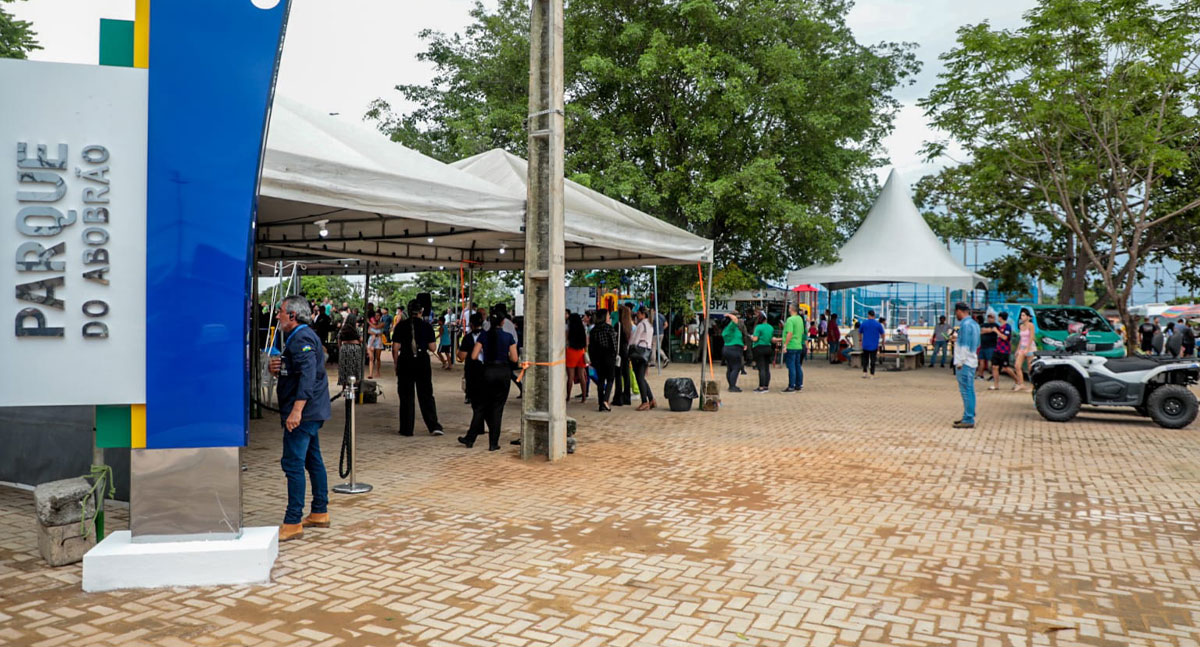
column 353, row 487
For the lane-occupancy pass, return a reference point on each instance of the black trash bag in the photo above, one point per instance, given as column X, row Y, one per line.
column 680, row 387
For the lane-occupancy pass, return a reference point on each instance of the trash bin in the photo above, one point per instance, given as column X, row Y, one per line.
column 680, row 391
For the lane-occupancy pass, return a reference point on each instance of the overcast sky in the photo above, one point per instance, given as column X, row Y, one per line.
column 338, row 56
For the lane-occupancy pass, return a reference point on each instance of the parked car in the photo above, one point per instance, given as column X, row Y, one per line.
column 1051, row 324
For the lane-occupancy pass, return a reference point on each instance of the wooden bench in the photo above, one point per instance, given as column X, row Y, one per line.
column 903, row 361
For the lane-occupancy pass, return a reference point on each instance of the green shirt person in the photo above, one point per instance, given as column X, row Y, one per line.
column 763, row 333
column 732, row 334
column 795, row 332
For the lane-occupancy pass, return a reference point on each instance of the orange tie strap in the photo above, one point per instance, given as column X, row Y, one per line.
column 707, row 337
column 526, row 365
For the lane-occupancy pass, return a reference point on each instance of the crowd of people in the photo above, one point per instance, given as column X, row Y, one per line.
column 1176, row 339
column 607, row 356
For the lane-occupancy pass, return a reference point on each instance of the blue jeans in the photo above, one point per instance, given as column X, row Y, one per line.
column 794, row 360
column 966, row 388
column 939, row 347
column 302, row 451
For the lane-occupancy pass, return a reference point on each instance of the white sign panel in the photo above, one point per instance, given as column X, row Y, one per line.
column 580, row 300
column 73, row 234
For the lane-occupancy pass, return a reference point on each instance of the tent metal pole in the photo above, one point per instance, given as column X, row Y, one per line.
column 255, row 351
column 366, row 297
column 657, row 336
column 703, row 341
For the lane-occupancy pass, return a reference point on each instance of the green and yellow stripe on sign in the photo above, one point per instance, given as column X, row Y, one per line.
column 120, row 426
column 124, row 43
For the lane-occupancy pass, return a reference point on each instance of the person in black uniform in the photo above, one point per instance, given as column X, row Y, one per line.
column 303, row 391
column 412, row 341
column 322, row 324
column 497, row 350
column 473, row 378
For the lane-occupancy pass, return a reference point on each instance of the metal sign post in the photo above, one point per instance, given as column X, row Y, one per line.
column 353, row 487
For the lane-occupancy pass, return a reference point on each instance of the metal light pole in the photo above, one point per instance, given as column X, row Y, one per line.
column 544, row 413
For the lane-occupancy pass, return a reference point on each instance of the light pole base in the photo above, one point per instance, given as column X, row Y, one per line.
column 352, row 488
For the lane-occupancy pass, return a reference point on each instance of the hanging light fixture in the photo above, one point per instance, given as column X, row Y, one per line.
column 324, row 231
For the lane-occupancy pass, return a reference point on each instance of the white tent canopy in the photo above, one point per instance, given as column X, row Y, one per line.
column 399, row 210
column 894, row 244
column 1149, row 309
column 595, row 220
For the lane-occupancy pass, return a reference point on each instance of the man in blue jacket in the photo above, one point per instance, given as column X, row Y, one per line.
column 871, row 333
column 303, row 391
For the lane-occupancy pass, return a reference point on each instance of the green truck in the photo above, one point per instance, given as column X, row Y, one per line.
column 1050, row 323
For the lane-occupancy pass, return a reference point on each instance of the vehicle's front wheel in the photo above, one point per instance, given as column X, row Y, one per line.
column 1172, row 406
column 1057, row 401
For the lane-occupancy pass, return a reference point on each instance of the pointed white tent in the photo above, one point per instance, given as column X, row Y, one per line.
column 894, row 244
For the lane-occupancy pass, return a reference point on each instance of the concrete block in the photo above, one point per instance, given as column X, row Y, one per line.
column 62, row 545
column 119, row 563
column 57, row 502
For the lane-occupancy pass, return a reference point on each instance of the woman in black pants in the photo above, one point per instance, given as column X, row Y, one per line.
column 640, row 350
column 497, row 350
column 623, row 391
column 763, row 352
column 602, row 350
column 735, row 337
column 473, row 373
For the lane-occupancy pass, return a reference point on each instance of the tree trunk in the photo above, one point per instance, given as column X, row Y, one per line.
column 1074, row 274
column 1131, row 340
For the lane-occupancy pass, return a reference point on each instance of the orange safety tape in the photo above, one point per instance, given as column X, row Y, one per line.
column 526, row 365
column 707, row 337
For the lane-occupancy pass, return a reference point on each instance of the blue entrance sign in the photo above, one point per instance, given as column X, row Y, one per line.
column 209, row 104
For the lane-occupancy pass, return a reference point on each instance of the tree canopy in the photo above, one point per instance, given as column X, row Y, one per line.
column 755, row 123
column 1082, row 131
column 16, row 36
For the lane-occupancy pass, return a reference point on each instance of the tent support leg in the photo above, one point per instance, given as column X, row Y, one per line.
column 703, row 341
column 255, row 351
column 366, row 297
column 657, row 336
column 543, row 407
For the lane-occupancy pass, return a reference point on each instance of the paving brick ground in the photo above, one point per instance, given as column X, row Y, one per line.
column 849, row 514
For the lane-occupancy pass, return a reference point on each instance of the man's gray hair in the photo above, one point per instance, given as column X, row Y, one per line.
column 298, row 306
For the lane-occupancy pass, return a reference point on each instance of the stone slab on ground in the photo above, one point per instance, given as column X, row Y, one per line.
column 58, row 502
column 66, row 544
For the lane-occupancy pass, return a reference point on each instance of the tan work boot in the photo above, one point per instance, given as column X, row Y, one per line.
column 316, row 520
column 290, row 531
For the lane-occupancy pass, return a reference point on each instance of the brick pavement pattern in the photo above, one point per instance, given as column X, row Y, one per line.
column 848, row 514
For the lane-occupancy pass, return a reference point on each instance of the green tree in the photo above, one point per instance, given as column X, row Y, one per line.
column 317, row 288
column 754, row 123
column 1077, row 126
column 16, row 36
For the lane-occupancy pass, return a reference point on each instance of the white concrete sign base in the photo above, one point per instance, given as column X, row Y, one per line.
column 118, row 563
